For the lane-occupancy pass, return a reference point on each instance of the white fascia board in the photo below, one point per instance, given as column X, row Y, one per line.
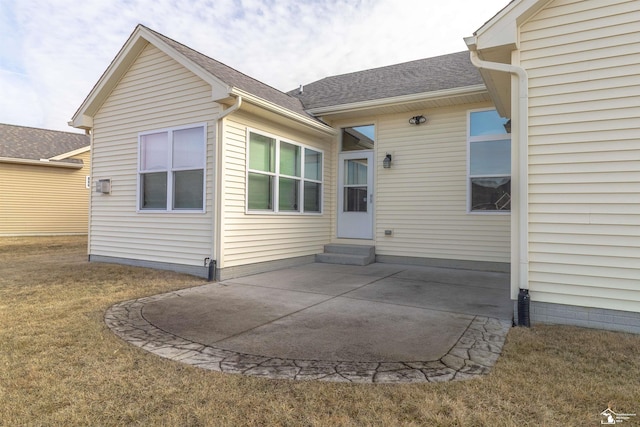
column 386, row 102
column 83, row 118
column 42, row 162
column 501, row 31
column 270, row 106
column 71, row 153
column 81, row 121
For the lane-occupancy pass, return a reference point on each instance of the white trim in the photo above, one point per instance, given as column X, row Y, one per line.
column 276, row 196
column 71, row 153
column 42, row 162
column 350, row 228
column 170, row 170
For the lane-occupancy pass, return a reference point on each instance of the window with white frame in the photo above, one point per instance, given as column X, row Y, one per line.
column 282, row 176
column 489, row 166
column 172, row 168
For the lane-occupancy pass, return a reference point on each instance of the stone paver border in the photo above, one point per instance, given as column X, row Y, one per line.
column 475, row 352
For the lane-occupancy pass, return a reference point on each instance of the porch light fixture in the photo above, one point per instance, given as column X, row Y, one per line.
column 417, row 120
column 386, row 163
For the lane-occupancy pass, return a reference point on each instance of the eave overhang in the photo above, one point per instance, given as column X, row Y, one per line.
column 496, row 40
column 42, row 162
column 405, row 103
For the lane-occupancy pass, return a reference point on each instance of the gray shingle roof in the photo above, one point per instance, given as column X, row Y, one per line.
column 235, row 78
column 424, row 75
column 20, row 142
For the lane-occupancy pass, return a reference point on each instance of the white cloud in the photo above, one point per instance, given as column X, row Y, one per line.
column 65, row 45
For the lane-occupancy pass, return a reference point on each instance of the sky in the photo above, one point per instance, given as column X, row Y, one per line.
column 52, row 52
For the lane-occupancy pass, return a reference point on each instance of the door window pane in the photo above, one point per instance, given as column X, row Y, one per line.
column 260, row 191
column 187, row 189
column 288, row 192
column 289, row 159
column 355, row 199
column 262, row 153
column 154, row 190
column 355, row 172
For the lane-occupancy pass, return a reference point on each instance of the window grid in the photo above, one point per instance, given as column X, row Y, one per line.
column 171, row 172
column 502, row 193
column 301, row 180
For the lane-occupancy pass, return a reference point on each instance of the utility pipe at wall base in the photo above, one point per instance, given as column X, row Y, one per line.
column 211, row 276
column 522, row 124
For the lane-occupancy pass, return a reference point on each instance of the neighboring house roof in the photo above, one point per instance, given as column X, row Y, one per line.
column 26, row 144
column 422, row 76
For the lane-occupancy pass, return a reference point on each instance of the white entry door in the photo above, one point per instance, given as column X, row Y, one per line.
column 355, row 195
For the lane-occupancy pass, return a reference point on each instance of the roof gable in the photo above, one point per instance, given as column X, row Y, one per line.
column 20, row 142
column 499, row 35
column 233, row 78
column 435, row 74
column 223, row 79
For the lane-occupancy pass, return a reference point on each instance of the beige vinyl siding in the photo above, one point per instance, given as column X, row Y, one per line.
column 155, row 93
column 43, row 200
column 422, row 198
column 583, row 62
column 253, row 238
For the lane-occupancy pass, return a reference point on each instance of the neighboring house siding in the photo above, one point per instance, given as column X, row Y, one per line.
column 422, row 197
column 155, row 93
column 584, row 156
column 254, row 238
column 42, row 200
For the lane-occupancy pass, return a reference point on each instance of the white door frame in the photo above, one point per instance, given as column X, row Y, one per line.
column 355, row 225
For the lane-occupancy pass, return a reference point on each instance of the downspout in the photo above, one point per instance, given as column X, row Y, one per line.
column 523, row 177
column 219, row 186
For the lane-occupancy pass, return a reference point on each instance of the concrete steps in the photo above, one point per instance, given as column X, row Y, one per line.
column 347, row 254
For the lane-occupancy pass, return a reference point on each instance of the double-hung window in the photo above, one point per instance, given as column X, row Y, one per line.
column 282, row 176
column 172, row 168
column 489, row 165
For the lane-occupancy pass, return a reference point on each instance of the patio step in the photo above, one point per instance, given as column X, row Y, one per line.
column 347, row 254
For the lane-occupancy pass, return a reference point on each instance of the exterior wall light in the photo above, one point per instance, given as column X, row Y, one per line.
column 386, row 163
column 417, row 120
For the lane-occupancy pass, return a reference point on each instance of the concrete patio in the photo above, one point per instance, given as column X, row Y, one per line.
column 375, row 323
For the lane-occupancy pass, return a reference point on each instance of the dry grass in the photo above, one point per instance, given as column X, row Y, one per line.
column 60, row 365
